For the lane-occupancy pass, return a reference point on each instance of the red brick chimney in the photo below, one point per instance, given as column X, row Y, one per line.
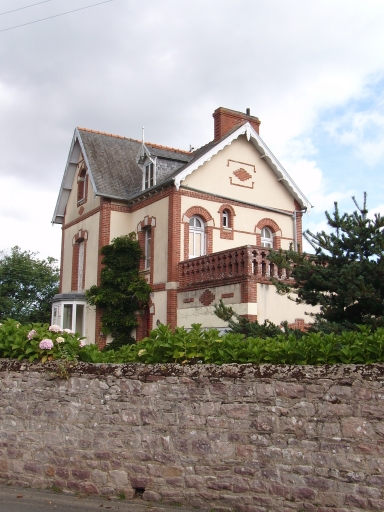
column 226, row 119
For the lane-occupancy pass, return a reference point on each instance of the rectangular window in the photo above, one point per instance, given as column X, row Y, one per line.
column 147, row 249
column 67, row 316
column 80, row 268
column 149, row 176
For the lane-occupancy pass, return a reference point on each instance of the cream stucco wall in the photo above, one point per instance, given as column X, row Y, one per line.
column 245, row 222
column 91, row 225
column 277, row 308
column 205, row 315
column 159, row 299
column 215, row 177
column 124, row 223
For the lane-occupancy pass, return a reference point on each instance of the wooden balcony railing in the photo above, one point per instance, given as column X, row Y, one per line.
column 233, row 265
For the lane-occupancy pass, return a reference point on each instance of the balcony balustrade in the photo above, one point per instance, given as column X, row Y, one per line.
column 232, row 265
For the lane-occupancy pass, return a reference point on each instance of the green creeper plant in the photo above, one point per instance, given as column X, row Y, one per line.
column 122, row 291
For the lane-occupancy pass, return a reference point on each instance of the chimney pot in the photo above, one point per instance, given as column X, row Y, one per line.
column 248, row 111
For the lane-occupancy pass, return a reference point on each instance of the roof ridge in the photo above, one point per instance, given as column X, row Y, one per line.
column 159, row 146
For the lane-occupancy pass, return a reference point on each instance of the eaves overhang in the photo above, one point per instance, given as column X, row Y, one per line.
column 265, row 153
column 76, row 148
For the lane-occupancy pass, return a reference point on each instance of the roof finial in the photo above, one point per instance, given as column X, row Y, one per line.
column 142, row 134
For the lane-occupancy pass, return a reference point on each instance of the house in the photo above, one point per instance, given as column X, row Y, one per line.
column 205, row 220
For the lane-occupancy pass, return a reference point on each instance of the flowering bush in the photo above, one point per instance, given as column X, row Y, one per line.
column 38, row 342
column 46, row 344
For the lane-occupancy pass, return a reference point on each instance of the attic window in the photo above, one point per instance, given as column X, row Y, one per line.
column 149, row 175
column 82, row 186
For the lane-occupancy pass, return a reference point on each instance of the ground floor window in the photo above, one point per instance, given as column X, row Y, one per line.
column 69, row 315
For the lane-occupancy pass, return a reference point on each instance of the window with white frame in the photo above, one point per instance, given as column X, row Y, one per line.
column 80, row 267
column 147, row 247
column 149, row 175
column 69, row 315
column 226, row 218
column 266, row 238
column 196, row 237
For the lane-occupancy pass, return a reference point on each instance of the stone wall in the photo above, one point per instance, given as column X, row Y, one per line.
column 236, row 437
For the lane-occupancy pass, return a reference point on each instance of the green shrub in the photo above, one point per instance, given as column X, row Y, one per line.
column 164, row 345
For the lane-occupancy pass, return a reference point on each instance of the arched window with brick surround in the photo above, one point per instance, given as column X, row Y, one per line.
column 79, row 245
column 268, row 234
column 198, row 233
column 196, row 237
column 82, row 181
column 227, row 217
column 146, row 237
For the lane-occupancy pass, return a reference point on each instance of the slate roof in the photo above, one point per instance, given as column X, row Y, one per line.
column 112, row 162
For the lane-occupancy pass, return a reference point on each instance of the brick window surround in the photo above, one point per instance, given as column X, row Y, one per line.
column 276, row 232
column 82, row 186
column 148, row 223
column 208, row 228
column 81, row 236
column 227, row 232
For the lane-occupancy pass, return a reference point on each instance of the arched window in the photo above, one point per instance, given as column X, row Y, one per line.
column 147, row 247
column 226, row 218
column 80, row 266
column 266, row 238
column 196, row 237
column 81, row 186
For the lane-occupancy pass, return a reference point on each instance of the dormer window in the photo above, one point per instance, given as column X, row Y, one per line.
column 149, row 175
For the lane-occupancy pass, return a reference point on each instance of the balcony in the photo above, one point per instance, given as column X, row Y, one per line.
column 228, row 267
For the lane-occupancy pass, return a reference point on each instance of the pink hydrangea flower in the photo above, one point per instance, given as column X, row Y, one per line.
column 31, row 334
column 68, row 331
column 54, row 328
column 46, row 344
column 82, row 344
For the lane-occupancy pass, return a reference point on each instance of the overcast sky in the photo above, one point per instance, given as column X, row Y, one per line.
column 312, row 71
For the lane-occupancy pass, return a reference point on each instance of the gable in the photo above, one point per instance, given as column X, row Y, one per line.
column 238, row 172
column 250, row 138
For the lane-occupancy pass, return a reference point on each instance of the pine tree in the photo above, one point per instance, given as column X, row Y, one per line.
column 345, row 276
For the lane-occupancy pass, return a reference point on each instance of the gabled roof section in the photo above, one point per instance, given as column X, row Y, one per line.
column 112, row 166
column 211, row 149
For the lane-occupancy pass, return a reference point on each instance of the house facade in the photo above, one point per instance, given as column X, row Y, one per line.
column 205, row 221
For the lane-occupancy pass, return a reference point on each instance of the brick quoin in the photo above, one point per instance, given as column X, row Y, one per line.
column 174, row 247
column 104, row 235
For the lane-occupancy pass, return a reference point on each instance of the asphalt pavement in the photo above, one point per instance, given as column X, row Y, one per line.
column 14, row 499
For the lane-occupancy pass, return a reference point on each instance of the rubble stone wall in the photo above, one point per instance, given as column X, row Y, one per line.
column 233, row 437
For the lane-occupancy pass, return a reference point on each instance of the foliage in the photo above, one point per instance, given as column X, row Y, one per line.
column 345, row 276
column 240, row 325
column 27, row 285
column 122, row 291
column 196, row 346
column 19, row 341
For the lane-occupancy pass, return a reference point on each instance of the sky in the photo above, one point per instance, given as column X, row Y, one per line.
column 313, row 72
